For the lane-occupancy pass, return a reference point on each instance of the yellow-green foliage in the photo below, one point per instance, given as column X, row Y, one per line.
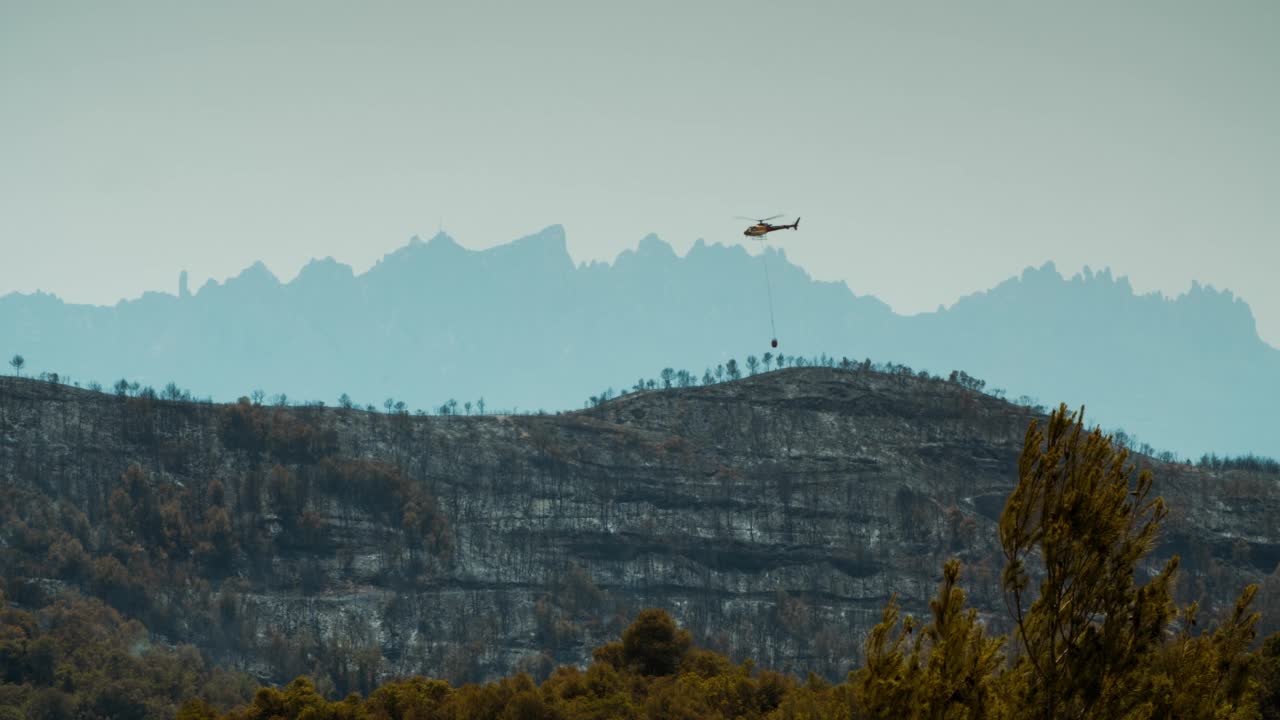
column 1268, row 677
column 1095, row 635
column 1091, row 641
column 77, row 658
column 1094, row 641
column 947, row 671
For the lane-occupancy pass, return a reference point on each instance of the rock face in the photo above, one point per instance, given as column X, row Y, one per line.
column 773, row 516
column 525, row 327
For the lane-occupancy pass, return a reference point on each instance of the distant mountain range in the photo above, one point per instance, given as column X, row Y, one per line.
column 524, row 327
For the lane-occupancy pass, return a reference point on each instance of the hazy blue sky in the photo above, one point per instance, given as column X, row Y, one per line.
column 933, row 149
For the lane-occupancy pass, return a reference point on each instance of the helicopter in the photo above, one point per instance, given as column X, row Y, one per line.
column 761, row 230
column 762, row 227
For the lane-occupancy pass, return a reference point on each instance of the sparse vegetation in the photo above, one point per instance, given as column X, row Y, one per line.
column 1092, row 514
column 1092, row 640
column 162, row 553
column 670, row 378
column 1249, row 463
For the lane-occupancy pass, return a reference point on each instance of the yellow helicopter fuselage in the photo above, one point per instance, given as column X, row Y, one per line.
column 764, row 228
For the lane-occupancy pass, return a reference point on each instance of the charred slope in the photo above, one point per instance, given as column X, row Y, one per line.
column 773, row 515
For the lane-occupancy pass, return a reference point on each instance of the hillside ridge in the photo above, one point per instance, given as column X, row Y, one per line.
column 772, row 515
column 523, row 326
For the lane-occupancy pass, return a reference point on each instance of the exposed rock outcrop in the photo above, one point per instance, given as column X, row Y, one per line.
column 773, row 516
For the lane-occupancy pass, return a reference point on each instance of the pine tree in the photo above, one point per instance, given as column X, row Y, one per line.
column 947, row 672
column 963, row 661
column 885, row 686
column 1212, row 675
column 1080, row 522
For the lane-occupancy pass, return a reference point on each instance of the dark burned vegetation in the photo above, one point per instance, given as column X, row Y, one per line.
column 279, row 433
column 178, row 515
column 1095, row 637
column 1098, row 637
column 354, row 547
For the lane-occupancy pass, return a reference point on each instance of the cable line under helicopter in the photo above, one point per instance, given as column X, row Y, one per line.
column 760, row 230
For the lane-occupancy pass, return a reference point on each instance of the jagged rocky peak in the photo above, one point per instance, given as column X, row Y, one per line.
column 255, row 278
column 441, row 240
column 716, row 251
column 258, row 272
column 651, row 248
column 1087, row 275
column 712, row 301
column 323, row 270
column 548, row 246
column 551, row 238
column 417, row 251
column 1209, row 294
column 652, row 245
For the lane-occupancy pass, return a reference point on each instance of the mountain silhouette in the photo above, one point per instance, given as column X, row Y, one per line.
column 524, row 327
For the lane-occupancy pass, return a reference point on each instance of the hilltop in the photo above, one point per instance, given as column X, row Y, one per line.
column 773, row 516
column 524, row 327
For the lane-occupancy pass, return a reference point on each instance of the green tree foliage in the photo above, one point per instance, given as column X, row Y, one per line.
column 653, row 644
column 1094, row 629
column 1212, row 675
column 1268, row 673
column 1095, row 633
column 947, row 671
column 1090, row 634
column 1090, row 626
column 77, row 658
